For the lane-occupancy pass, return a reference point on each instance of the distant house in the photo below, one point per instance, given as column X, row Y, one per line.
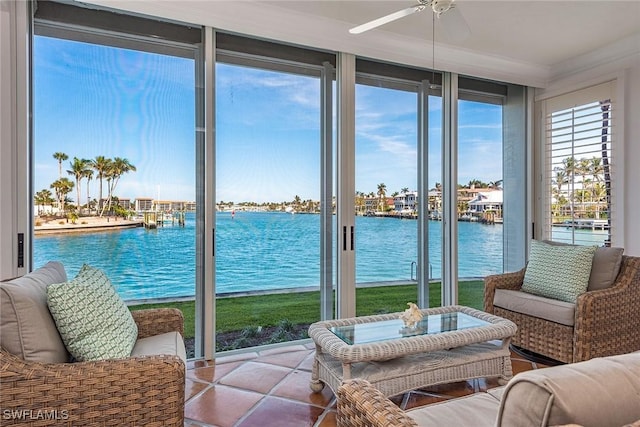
column 144, row 204
column 124, row 203
column 486, row 201
column 405, row 201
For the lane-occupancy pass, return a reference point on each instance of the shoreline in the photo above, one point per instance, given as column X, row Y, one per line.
column 87, row 224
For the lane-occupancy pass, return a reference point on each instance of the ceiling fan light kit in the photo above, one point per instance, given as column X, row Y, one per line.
column 440, row 6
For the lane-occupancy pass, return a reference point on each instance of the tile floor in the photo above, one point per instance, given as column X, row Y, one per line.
column 271, row 388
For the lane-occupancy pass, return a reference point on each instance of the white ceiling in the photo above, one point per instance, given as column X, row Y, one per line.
column 521, row 41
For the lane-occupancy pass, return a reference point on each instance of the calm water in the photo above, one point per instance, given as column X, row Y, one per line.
column 260, row 251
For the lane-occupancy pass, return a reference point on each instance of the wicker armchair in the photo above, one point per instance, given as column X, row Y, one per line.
column 140, row 391
column 606, row 323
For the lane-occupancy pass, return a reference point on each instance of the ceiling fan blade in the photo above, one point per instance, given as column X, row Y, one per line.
column 386, row 19
column 454, row 25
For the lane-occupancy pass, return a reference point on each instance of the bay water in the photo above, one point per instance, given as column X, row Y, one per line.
column 257, row 251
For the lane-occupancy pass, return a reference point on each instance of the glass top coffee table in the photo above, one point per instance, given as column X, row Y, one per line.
column 449, row 344
column 383, row 330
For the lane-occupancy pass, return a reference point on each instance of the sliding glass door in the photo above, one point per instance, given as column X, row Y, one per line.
column 386, row 198
column 479, row 203
column 114, row 153
column 268, row 193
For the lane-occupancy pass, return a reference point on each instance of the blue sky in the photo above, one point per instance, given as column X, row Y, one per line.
column 94, row 100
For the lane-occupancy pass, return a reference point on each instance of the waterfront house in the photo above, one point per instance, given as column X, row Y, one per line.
column 405, row 202
column 144, row 204
column 532, row 59
column 486, row 201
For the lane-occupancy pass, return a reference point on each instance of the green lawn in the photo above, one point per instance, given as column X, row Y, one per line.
column 242, row 313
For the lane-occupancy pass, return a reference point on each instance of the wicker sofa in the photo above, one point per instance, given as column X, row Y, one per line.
column 602, row 322
column 40, row 386
column 601, row 392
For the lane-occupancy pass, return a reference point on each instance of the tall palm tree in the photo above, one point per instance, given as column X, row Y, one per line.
column 569, row 165
column 88, row 175
column 101, row 165
column 583, row 169
column 42, row 198
column 560, row 179
column 60, row 157
column 119, row 166
column 382, row 192
column 79, row 168
column 599, row 194
column 359, row 201
column 596, row 169
column 62, row 187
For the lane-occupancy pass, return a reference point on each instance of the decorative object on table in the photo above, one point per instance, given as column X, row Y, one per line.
column 411, row 316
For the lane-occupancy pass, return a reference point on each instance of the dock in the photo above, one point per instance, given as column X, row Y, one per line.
column 156, row 219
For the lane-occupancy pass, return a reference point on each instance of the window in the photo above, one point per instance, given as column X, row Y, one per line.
column 269, row 219
column 114, row 147
column 578, row 166
column 390, row 152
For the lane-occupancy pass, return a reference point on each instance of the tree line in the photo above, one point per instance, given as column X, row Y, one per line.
column 103, row 168
column 592, row 190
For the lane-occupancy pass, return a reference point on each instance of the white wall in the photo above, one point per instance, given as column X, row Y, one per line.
column 632, row 160
column 621, row 62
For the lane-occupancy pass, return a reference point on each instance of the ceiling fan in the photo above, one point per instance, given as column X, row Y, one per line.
column 456, row 26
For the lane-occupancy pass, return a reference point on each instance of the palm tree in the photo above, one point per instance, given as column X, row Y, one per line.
column 382, row 192
column 101, row 165
column 119, row 167
column 404, row 190
column 583, row 169
column 596, row 169
column 599, row 194
column 569, row 165
column 476, row 183
column 60, row 157
column 359, row 201
column 79, row 168
column 42, row 198
column 62, row 187
column 559, row 181
column 88, row 175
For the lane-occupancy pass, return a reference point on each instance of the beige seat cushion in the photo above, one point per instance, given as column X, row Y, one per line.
column 600, row 392
column 477, row 410
column 28, row 330
column 167, row 343
column 536, row 306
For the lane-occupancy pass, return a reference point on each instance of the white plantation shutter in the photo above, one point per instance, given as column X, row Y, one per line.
column 578, row 164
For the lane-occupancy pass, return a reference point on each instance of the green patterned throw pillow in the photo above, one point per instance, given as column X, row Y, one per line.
column 92, row 319
column 558, row 272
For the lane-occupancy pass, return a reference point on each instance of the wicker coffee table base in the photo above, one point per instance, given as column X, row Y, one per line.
column 402, row 374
